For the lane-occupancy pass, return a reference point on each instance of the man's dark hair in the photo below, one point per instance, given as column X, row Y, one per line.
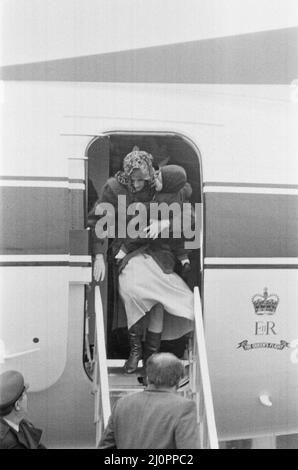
column 164, row 370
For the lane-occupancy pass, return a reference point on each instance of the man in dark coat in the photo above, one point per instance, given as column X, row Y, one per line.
column 15, row 431
column 156, row 418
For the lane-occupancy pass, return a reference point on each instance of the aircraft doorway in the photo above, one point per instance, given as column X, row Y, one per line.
column 105, row 157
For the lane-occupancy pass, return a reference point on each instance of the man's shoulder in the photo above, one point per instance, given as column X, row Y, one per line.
column 131, row 397
column 114, row 184
column 112, row 188
column 180, row 400
column 4, row 428
column 177, row 403
column 8, row 438
column 169, row 397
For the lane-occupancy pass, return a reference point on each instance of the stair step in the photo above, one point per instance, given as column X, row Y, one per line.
column 119, row 371
column 119, row 380
column 119, row 363
column 137, row 388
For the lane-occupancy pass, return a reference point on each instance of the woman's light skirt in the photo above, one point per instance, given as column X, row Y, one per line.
column 143, row 284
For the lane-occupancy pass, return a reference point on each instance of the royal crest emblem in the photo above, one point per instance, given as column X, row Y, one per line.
column 265, row 304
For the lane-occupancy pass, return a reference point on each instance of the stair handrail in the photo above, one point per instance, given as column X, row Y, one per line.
column 101, row 363
column 204, row 371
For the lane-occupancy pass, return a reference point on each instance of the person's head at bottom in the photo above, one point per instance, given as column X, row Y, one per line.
column 13, row 396
column 164, row 370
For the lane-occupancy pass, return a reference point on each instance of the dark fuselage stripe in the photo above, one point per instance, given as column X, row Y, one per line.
column 250, row 185
column 44, row 263
column 248, row 225
column 37, row 220
column 250, row 266
column 40, row 178
column 206, row 266
column 34, row 178
column 242, row 225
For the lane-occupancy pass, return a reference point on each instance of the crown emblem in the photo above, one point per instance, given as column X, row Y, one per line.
column 265, row 304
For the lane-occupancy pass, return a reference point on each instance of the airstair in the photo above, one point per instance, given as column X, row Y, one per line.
column 110, row 383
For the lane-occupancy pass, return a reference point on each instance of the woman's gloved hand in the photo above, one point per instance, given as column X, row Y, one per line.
column 156, row 227
column 99, row 268
column 157, row 181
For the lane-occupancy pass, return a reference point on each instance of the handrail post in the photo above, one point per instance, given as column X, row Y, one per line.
column 204, row 371
column 101, row 359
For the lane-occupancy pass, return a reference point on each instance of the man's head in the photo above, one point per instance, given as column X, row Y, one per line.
column 170, row 178
column 13, row 395
column 164, row 370
column 161, row 156
column 158, row 148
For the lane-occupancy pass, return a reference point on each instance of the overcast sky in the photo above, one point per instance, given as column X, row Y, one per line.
column 38, row 30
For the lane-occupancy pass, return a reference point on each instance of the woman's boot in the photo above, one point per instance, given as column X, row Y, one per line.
column 135, row 334
column 151, row 346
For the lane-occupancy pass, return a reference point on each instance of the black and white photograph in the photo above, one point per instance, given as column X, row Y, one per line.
column 149, row 227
